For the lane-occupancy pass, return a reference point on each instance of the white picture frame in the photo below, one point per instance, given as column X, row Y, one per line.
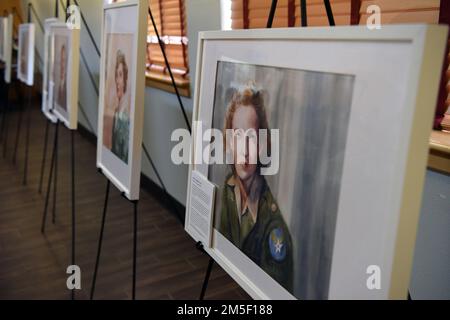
column 397, row 72
column 25, row 60
column 8, row 47
column 47, row 99
column 65, row 72
column 123, row 39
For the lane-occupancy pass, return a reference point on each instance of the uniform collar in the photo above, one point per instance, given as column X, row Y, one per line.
column 252, row 199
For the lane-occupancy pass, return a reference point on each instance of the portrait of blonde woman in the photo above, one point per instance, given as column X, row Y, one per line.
column 116, row 124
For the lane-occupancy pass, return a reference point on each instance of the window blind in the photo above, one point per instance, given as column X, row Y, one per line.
column 254, row 13
column 170, row 19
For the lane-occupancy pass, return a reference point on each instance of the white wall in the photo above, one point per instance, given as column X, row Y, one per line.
column 431, row 269
column 163, row 114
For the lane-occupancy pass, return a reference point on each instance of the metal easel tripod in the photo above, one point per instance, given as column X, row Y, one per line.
column 54, row 169
column 28, row 122
column 135, row 203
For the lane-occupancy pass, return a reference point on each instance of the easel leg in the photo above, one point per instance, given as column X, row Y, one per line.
column 2, row 107
column 73, row 203
column 2, row 114
column 4, row 110
column 55, row 177
column 5, row 124
column 18, row 132
column 49, row 186
column 134, row 250
column 207, row 276
column 27, row 139
column 44, row 156
column 94, row 279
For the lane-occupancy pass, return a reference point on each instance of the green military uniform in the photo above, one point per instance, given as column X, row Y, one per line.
column 267, row 240
column 120, row 136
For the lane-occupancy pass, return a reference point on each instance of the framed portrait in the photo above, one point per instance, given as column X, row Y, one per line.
column 63, row 84
column 318, row 155
column 2, row 38
column 25, row 61
column 47, row 89
column 8, row 46
column 121, row 103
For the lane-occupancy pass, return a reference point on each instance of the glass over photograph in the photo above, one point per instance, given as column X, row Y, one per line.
column 48, row 71
column 2, row 37
column 23, row 44
column 25, row 60
column 289, row 237
column 117, row 99
column 61, row 53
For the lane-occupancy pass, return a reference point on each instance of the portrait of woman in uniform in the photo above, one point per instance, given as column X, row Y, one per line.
column 282, row 220
column 61, row 48
column 250, row 217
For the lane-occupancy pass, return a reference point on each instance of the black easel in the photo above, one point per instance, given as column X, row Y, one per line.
column 48, row 122
column 4, row 110
column 20, row 107
column 56, row 9
column 146, row 153
column 27, row 109
column 4, row 99
column 161, row 44
column 44, row 155
column 54, row 162
column 135, row 202
column 50, row 177
column 273, row 8
column 54, row 170
column 72, row 139
column 100, row 241
column 5, row 105
column 166, row 193
column 304, row 23
column 5, row 122
column 199, row 246
column 303, row 13
column 19, row 126
column 27, row 136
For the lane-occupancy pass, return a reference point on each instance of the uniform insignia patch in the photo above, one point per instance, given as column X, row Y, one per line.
column 277, row 244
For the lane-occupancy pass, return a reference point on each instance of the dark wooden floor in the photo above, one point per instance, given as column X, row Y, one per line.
column 33, row 266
